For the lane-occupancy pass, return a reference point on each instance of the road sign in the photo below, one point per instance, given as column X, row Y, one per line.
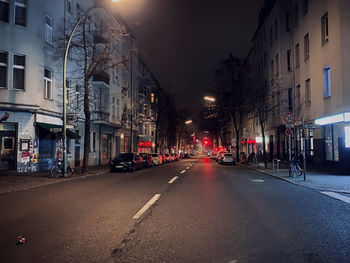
column 289, row 118
column 311, row 126
column 288, row 131
column 55, row 129
column 289, row 125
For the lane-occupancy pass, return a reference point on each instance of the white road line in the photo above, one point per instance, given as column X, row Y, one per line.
column 146, row 206
column 187, row 168
column 337, row 196
column 172, row 180
column 183, row 171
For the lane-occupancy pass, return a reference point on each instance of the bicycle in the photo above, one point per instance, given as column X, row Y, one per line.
column 294, row 168
column 57, row 170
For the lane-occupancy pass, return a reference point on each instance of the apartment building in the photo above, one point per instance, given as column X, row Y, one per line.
column 300, row 50
column 34, row 34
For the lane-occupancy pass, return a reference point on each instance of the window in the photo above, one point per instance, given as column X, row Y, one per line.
column 113, row 106
column 118, row 111
column 94, row 141
column 69, row 6
column 21, row 12
column 288, row 21
column 297, row 56
column 271, row 36
column 48, row 83
column 3, row 69
column 48, row 30
column 68, row 91
column 152, row 97
column 297, row 98
column 324, row 28
column 4, row 10
column 77, row 91
column 307, row 92
column 277, row 66
column 327, row 82
column 305, row 6
column 276, row 29
column 331, row 135
column 145, row 109
column 290, row 99
column 19, row 62
column 272, row 69
column 306, row 47
column 288, row 60
column 296, row 15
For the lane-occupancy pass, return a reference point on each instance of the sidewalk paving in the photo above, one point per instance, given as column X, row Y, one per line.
column 317, row 180
column 19, row 182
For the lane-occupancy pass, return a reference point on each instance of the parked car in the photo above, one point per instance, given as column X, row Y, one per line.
column 227, row 158
column 186, row 156
column 147, row 160
column 127, row 162
column 177, row 156
column 168, row 158
column 157, row 158
column 164, row 158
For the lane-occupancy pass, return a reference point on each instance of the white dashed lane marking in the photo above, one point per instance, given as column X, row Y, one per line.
column 337, row 196
column 172, row 180
column 146, row 206
column 183, row 171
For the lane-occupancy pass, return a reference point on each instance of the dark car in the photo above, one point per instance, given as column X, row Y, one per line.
column 147, row 160
column 127, row 162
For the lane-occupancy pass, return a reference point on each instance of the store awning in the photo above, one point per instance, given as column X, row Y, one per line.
column 54, row 128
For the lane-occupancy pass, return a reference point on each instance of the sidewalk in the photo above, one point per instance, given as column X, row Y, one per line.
column 18, row 182
column 316, row 180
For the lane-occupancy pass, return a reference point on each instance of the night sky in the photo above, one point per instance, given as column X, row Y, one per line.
column 183, row 41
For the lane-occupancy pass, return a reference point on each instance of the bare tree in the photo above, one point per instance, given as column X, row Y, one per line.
column 94, row 51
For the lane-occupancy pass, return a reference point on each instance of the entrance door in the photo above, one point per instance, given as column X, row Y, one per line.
column 7, row 152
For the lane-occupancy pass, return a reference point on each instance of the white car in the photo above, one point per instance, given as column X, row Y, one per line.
column 227, row 158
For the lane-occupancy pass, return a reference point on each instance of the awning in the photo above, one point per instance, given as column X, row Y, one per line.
column 54, row 128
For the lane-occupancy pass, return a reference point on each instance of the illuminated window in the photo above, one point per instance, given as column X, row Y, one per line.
column 4, row 10
column 21, row 12
column 48, row 30
column 324, row 28
column 48, row 83
column 347, row 136
column 18, row 71
column 327, row 82
column 152, row 97
column 3, row 69
column 306, row 47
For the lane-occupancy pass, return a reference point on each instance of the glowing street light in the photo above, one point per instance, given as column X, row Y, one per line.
column 188, row 122
column 208, row 98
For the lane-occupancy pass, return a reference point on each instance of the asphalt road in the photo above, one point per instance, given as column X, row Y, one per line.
column 209, row 213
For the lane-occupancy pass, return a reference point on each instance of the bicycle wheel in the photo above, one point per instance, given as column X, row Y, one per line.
column 69, row 171
column 55, row 171
column 292, row 170
column 298, row 170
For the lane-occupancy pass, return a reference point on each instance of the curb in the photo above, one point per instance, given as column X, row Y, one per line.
column 61, row 180
column 285, row 180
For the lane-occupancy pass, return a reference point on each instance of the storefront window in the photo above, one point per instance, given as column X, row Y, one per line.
column 328, row 142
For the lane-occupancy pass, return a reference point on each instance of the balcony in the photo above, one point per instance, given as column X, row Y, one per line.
column 101, row 77
column 100, row 117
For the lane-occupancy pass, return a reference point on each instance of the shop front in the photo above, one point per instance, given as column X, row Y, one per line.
column 8, row 139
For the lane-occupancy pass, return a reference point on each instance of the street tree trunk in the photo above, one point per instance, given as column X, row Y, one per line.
column 264, row 143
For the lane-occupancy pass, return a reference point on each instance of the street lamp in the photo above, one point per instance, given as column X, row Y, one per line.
column 65, row 87
column 209, row 98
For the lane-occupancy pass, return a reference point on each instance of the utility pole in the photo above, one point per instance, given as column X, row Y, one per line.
column 131, row 99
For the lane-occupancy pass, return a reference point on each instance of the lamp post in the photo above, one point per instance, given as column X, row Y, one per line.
column 65, row 87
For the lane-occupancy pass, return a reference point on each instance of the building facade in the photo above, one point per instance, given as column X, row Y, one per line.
column 31, row 90
column 300, row 51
